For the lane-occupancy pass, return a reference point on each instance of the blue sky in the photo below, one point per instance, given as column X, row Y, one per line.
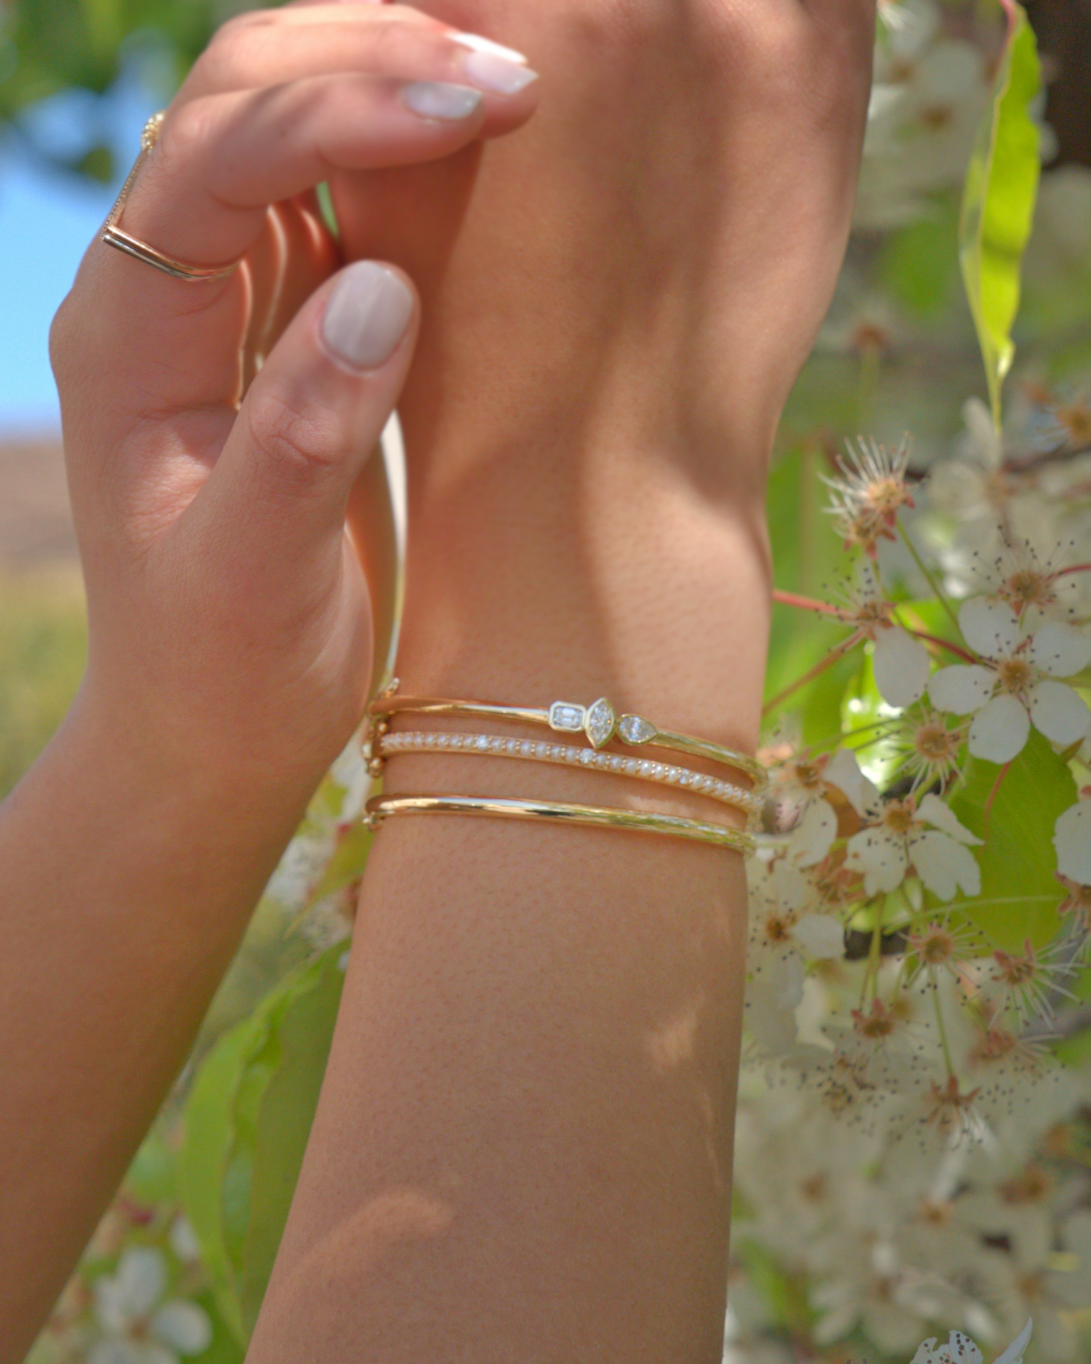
column 47, row 220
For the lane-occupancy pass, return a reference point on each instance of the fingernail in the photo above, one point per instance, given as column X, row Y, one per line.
column 493, row 67
column 367, row 315
column 434, row 99
column 476, row 43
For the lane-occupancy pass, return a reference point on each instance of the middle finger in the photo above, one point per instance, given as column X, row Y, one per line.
column 379, row 41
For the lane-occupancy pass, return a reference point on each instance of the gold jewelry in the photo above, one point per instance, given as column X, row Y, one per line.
column 113, row 236
column 599, row 722
column 383, row 807
column 493, row 745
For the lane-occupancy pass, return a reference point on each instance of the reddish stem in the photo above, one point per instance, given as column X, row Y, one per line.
column 955, row 649
column 817, row 671
column 807, row 603
column 1076, row 568
column 993, row 795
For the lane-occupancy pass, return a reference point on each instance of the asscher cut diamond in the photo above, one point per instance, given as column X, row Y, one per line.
column 635, row 730
column 601, row 722
column 564, row 716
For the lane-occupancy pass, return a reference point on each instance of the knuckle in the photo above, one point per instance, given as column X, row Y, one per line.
column 187, row 128
column 395, row 43
column 299, row 441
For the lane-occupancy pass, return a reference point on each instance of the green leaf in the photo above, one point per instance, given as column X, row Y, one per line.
column 284, row 1124
column 1019, row 891
column 998, row 204
column 246, row 1127
column 203, row 1162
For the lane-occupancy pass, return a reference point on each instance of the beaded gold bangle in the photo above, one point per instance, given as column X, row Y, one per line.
column 599, row 722
column 383, row 807
column 494, row 745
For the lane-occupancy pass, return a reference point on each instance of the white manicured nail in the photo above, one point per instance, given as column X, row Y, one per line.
column 434, row 99
column 493, row 67
column 476, row 43
column 367, row 315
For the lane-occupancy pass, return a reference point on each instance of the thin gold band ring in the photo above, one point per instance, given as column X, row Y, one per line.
column 114, row 236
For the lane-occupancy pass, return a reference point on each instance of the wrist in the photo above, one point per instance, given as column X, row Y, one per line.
column 546, row 578
column 194, row 809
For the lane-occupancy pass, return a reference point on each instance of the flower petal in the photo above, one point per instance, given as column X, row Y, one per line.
column 1000, row 730
column 843, row 771
column 1015, row 1351
column 962, row 688
column 184, row 1326
column 790, row 887
column 142, row 1277
column 116, row 1351
column 813, row 836
column 820, row 935
column 1060, row 650
column 880, row 856
column 989, row 627
column 901, row 666
column 933, row 811
column 1059, row 713
column 1072, row 840
column 944, row 865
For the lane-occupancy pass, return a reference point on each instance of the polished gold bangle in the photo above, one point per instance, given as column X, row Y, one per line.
column 599, row 722
column 385, row 746
column 383, row 807
column 114, row 236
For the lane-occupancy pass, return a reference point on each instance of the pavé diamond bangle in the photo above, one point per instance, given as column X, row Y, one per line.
column 381, row 808
column 599, row 722
column 496, row 746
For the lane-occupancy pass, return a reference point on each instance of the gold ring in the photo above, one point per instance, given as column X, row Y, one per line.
column 113, row 235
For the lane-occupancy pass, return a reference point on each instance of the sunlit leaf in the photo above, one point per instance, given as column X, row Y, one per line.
column 998, row 204
column 1019, row 890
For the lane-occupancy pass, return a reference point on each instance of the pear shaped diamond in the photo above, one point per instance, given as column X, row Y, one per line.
column 601, row 722
column 634, row 730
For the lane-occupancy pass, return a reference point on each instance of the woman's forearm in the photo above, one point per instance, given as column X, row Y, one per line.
column 523, row 1147
column 127, row 884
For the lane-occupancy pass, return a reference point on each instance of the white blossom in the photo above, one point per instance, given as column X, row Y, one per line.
column 926, row 838
column 1072, row 840
column 1015, row 683
column 137, row 1326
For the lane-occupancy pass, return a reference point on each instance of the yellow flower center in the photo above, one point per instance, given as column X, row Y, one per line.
column 1015, row 675
column 899, row 817
column 1028, row 588
column 1076, row 420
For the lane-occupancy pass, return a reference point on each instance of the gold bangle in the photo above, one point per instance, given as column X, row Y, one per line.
column 599, row 722
column 383, row 807
column 494, row 746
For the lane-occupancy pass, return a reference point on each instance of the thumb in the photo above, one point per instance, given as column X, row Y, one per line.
column 313, row 415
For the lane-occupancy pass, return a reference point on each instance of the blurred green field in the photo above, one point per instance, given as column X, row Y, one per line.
column 43, row 648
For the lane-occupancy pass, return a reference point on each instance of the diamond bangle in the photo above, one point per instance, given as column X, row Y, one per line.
column 599, row 722
column 494, row 745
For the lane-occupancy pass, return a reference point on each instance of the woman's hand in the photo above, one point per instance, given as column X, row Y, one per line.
column 617, row 324
column 231, row 626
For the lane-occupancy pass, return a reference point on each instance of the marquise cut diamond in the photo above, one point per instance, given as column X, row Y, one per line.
column 635, row 730
column 601, row 722
column 566, row 717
